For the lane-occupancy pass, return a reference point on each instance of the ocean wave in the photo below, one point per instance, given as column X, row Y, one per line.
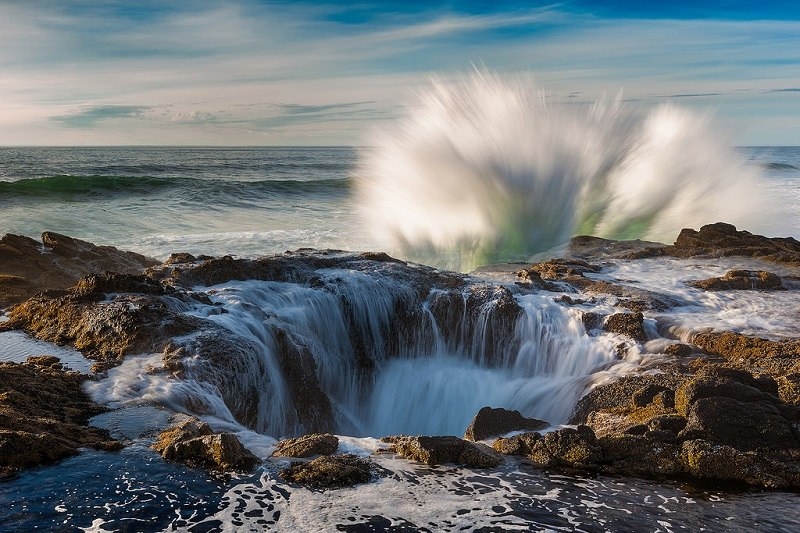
column 780, row 166
column 490, row 169
column 89, row 187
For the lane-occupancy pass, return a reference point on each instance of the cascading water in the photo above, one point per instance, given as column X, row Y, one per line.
column 488, row 169
column 388, row 357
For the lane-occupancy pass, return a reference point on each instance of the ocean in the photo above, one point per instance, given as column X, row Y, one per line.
column 462, row 195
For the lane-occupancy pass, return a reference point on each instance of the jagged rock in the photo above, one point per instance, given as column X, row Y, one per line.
column 744, row 425
column 437, row 450
column 741, row 280
column 737, row 346
column 516, row 444
column 722, row 240
column 307, row 446
column 492, row 422
column 193, row 443
column 188, row 429
column 567, row 447
column 329, row 471
column 28, row 267
column 628, row 324
column 640, row 455
column 43, row 415
column 594, row 248
column 707, row 460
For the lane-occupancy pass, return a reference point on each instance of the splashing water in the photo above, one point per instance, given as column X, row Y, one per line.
column 487, row 169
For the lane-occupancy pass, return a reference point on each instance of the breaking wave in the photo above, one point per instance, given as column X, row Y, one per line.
column 489, row 169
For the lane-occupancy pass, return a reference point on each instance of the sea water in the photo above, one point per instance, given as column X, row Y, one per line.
column 482, row 172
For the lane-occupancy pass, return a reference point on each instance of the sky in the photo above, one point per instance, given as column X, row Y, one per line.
column 252, row 72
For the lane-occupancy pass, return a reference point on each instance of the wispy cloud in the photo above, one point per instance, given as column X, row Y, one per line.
column 259, row 72
column 88, row 117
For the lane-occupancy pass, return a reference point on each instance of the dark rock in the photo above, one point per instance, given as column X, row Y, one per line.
column 640, row 455
column 193, row 443
column 679, row 349
column 567, row 447
column 628, row 324
column 744, row 425
column 307, row 446
column 437, row 450
column 707, row 460
column 329, row 471
column 492, row 422
column 180, row 258
column 722, row 240
column 595, row 248
column 43, row 415
column 741, row 280
column 517, row 444
column 647, row 394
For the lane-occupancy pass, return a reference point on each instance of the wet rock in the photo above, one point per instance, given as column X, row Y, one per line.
column 741, row 280
column 641, row 455
column 47, row 361
column 722, row 240
column 329, row 471
column 307, row 446
column 28, row 267
column 492, row 422
column 737, row 346
column 438, row 450
column 707, row 460
column 628, row 324
column 193, row 443
column 595, row 248
column 567, row 447
column 43, row 415
column 521, row 444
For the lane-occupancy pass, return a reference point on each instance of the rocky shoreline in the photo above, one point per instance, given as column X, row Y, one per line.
column 723, row 407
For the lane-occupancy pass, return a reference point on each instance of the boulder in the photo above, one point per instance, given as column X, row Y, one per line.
column 193, row 443
column 307, row 446
column 567, row 447
column 447, row 449
column 741, row 280
column 517, row 444
column 329, row 471
column 628, row 324
column 722, row 240
column 492, row 422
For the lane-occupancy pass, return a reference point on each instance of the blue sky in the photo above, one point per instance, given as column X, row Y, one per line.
column 310, row 73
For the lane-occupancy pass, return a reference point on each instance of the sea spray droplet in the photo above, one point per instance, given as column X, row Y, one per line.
column 489, row 169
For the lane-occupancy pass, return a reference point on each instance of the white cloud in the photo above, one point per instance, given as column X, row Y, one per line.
column 196, row 73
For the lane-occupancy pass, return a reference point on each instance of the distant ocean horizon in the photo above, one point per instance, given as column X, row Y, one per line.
column 243, row 201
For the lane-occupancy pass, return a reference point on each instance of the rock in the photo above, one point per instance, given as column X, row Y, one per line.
column 595, row 248
column 48, row 361
column 193, row 443
column 567, row 447
column 188, row 429
column 437, row 450
column 722, row 240
column 307, row 446
column 706, row 460
column 741, row 280
column 744, row 425
column 28, row 267
column 517, row 444
column 492, row 422
column 640, row 455
column 737, row 346
column 43, row 415
column 628, row 324
column 329, row 471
